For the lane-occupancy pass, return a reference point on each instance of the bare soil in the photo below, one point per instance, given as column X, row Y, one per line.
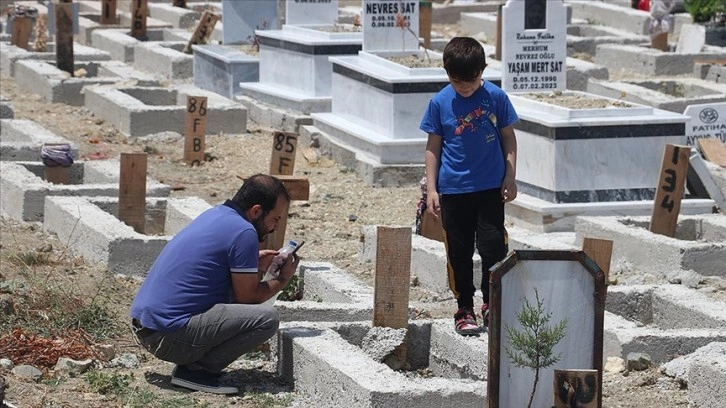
column 340, row 204
column 577, row 101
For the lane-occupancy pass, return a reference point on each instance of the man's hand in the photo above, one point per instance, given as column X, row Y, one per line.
column 265, row 259
column 289, row 267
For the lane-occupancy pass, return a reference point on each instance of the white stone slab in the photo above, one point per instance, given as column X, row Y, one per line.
column 305, row 12
column 534, row 46
column 706, row 121
column 380, row 32
column 691, row 39
column 243, row 17
column 550, row 279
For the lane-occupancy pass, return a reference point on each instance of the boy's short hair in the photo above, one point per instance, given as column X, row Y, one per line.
column 464, row 58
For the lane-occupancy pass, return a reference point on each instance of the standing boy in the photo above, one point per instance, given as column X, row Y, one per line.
column 471, row 161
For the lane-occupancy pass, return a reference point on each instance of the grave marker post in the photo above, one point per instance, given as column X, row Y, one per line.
column 20, row 29
column 669, row 192
column 203, row 31
column 392, row 281
column 195, row 130
column 282, row 163
column 108, row 12
column 139, row 12
column 64, row 36
column 132, row 190
column 425, row 18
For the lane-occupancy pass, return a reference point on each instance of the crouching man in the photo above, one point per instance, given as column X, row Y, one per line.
column 200, row 307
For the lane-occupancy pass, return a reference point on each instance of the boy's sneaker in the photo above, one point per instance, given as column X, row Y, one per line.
column 200, row 381
column 465, row 322
column 485, row 315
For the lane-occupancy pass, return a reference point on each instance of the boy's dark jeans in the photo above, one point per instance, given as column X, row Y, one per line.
column 469, row 219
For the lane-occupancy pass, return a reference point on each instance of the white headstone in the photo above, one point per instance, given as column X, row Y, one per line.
column 240, row 19
column 534, row 46
column 707, row 120
column 390, row 25
column 311, row 12
column 691, row 39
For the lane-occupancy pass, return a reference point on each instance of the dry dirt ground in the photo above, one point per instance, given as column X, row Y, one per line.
column 340, row 204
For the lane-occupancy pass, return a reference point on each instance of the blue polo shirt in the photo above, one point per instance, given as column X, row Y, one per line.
column 193, row 271
column 471, row 151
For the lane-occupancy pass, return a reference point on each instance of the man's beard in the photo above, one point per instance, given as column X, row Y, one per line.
column 259, row 225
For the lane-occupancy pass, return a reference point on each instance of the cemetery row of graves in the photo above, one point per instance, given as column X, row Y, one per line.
column 614, row 177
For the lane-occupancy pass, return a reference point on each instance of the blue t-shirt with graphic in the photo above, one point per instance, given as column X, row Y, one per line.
column 193, row 271
column 471, row 153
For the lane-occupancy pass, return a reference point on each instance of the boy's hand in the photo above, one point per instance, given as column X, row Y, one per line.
column 432, row 204
column 509, row 189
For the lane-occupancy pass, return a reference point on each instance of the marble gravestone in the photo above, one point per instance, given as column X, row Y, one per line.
column 707, row 121
column 534, row 46
column 390, row 26
column 566, row 287
column 311, row 12
column 242, row 17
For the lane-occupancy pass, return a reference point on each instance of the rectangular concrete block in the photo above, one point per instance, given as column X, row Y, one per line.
column 657, row 254
column 23, row 139
column 164, row 58
column 23, row 188
column 90, row 228
column 148, row 110
column 320, row 362
column 121, row 45
column 10, row 54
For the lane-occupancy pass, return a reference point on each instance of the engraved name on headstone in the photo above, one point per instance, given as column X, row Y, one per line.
column 534, row 46
column 390, row 25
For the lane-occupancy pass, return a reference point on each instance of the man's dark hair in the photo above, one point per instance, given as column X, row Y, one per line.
column 464, row 58
column 260, row 189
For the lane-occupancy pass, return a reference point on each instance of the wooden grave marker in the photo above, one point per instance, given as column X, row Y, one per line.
column 424, row 21
column 132, row 190
column 659, row 42
column 139, row 12
column 431, row 227
column 203, row 31
column 195, row 130
column 21, row 28
column 668, row 194
column 108, row 12
column 498, row 43
column 282, row 163
column 576, row 388
column 392, row 281
column 299, row 189
column 64, row 37
column 600, row 251
column 713, row 150
column 284, row 149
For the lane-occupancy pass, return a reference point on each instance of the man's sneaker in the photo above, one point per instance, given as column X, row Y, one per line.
column 465, row 322
column 200, row 381
column 485, row 315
